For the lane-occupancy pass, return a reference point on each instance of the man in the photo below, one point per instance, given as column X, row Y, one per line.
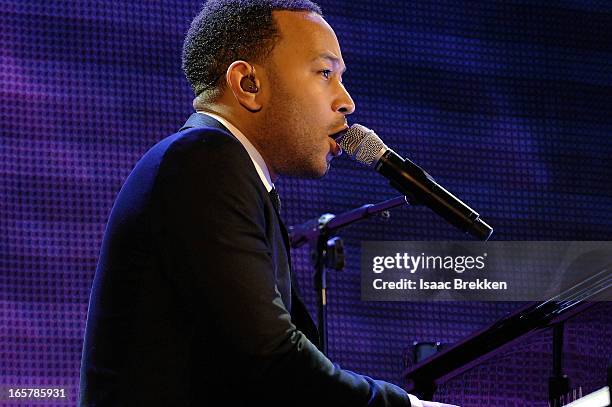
column 193, row 301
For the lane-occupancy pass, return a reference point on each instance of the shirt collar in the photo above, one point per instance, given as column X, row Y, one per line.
column 258, row 161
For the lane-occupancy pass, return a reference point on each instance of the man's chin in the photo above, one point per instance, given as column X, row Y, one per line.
column 313, row 172
column 307, row 168
column 323, row 172
column 318, row 174
column 327, row 168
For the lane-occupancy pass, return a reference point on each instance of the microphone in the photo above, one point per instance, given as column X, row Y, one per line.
column 364, row 146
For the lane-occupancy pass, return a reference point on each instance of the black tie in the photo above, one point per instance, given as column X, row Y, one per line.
column 275, row 200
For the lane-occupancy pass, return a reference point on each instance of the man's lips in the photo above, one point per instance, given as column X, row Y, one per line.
column 338, row 135
column 336, row 149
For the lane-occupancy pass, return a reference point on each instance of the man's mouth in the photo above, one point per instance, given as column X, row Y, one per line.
column 337, row 136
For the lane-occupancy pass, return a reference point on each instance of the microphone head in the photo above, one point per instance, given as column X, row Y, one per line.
column 363, row 145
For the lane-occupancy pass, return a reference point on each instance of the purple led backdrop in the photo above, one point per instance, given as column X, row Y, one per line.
column 507, row 104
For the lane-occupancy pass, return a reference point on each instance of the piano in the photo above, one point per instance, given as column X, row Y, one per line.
column 524, row 358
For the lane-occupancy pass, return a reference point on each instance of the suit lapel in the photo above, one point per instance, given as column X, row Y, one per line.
column 299, row 313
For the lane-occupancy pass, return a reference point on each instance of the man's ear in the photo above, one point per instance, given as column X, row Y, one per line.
column 242, row 81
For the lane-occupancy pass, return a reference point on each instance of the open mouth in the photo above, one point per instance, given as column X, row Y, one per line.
column 337, row 136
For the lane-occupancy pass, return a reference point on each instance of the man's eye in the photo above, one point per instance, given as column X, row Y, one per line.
column 326, row 73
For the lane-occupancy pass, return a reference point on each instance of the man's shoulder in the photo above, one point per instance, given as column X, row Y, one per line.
column 199, row 138
column 208, row 151
column 210, row 144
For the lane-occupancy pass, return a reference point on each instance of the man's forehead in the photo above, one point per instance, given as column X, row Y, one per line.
column 309, row 33
column 296, row 18
column 305, row 28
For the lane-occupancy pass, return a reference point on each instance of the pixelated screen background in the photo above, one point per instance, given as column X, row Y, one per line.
column 508, row 104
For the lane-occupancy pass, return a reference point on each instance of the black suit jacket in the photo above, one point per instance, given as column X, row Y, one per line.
column 192, row 302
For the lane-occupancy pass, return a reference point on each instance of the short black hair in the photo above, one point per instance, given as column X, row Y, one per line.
column 227, row 30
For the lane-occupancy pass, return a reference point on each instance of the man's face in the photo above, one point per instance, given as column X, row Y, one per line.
column 307, row 101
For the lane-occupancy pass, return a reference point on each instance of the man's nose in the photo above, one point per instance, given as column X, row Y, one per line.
column 344, row 104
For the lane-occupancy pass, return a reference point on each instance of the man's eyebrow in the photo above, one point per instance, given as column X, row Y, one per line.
column 332, row 58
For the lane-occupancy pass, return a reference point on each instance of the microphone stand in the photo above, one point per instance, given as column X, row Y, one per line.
column 328, row 251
